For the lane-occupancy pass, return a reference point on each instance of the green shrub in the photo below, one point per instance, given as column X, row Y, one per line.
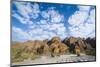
column 16, row 55
column 19, row 55
column 91, row 52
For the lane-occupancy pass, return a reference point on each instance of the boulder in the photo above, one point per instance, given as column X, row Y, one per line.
column 73, row 41
column 38, row 47
column 57, row 47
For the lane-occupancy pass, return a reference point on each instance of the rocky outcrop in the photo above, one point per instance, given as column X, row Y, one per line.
column 37, row 47
column 54, row 47
column 57, row 47
column 72, row 42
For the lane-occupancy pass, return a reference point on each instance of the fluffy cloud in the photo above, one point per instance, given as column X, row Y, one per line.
column 22, row 20
column 26, row 11
column 84, row 8
column 82, row 22
column 78, row 18
column 53, row 15
column 45, row 24
column 19, row 34
column 49, row 26
column 48, row 31
column 45, row 15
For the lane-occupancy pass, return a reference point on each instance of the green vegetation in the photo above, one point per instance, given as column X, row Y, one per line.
column 19, row 55
column 54, row 47
column 16, row 55
column 91, row 52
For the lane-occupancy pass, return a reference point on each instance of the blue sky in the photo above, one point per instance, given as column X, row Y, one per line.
column 34, row 20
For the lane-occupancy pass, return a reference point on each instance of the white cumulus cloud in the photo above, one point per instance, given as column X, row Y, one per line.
column 49, row 26
column 82, row 22
column 27, row 11
column 20, row 34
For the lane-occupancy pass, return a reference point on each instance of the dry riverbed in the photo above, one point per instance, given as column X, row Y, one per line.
column 58, row 59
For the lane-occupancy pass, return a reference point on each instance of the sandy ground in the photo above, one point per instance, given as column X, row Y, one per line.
column 60, row 59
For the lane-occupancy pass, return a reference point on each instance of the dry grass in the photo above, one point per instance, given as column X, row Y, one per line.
column 35, row 49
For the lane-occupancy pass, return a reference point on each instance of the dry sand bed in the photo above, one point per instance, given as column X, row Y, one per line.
column 59, row 59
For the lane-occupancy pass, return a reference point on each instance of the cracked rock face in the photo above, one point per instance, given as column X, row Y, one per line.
column 57, row 47
column 52, row 48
